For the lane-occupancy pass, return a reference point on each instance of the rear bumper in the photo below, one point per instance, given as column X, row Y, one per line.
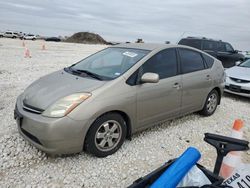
column 51, row 135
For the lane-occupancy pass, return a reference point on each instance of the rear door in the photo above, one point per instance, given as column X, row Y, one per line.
column 210, row 47
column 196, row 80
column 159, row 101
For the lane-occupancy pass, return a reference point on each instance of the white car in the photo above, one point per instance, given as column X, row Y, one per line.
column 29, row 37
column 238, row 79
column 11, row 34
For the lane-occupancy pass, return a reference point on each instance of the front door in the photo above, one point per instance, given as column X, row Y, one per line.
column 162, row 100
column 226, row 55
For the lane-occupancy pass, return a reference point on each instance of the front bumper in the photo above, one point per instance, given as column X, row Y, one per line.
column 51, row 135
column 242, row 89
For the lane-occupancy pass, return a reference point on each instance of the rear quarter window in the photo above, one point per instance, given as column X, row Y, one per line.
column 191, row 61
column 208, row 60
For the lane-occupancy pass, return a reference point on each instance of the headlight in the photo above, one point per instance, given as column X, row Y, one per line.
column 65, row 105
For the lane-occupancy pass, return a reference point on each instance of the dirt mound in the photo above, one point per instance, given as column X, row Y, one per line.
column 86, row 38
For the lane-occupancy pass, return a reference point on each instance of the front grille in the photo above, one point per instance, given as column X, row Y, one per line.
column 31, row 109
column 238, row 91
column 30, row 136
column 237, row 80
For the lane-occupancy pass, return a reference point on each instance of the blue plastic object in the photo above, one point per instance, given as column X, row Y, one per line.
column 174, row 174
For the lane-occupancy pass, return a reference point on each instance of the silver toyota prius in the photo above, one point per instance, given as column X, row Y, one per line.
column 95, row 104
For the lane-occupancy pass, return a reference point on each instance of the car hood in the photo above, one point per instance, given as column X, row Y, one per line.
column 239, row 72
column 48, row 89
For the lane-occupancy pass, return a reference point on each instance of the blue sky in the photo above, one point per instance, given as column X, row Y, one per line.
column 114, row 20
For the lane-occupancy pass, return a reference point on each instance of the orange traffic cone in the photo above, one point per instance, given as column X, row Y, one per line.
column 43, row 46
column 27, row 53
column 23, row 44
column 232, row 159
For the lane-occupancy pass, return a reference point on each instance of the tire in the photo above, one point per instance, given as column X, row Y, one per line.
column 106, row 135
column 210, row 104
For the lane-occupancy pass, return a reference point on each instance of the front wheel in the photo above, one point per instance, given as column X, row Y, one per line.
column 210, row 104
column 106, row 135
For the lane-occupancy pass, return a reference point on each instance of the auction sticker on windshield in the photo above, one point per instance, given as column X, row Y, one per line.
column 130, row 54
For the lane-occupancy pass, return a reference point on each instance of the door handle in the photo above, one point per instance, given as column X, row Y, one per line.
column 177, row 86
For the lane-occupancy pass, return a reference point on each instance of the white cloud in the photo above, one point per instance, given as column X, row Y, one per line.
column 23, row 6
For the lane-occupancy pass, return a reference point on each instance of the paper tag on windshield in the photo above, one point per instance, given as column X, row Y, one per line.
column 130, row 54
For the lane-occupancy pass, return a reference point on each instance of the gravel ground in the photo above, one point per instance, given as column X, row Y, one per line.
column 22, row 165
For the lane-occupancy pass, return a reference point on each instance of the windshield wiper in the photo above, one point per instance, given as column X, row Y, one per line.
column 91, row 74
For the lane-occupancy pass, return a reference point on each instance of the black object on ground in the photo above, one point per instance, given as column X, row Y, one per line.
column 222, row 144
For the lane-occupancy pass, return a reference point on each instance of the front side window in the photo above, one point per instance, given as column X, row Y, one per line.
column 163, row 63
column 110, row 63
column 229, row 48
column 190, row 60
column 221, row 47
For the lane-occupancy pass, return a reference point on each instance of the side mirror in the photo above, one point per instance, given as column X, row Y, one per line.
column 150, row 77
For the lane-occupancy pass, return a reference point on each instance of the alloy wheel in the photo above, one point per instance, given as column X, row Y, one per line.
column 108, row 135
column 212, row 103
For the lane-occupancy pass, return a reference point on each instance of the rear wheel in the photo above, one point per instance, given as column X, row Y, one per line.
column 106, row 135
column 210, row 104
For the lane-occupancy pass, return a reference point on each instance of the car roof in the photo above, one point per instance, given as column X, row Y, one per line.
column 202, row 38
column 144, row 46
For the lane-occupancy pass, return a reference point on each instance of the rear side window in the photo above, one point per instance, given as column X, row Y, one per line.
column 191, row 42
column 209, row 60
column 190, row 60
column 163, row 63
column 209, row 45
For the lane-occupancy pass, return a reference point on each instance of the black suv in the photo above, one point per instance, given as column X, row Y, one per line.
column 217, row 48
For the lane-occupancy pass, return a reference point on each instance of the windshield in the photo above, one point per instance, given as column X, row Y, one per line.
column 110, row 63
column 245, row 64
